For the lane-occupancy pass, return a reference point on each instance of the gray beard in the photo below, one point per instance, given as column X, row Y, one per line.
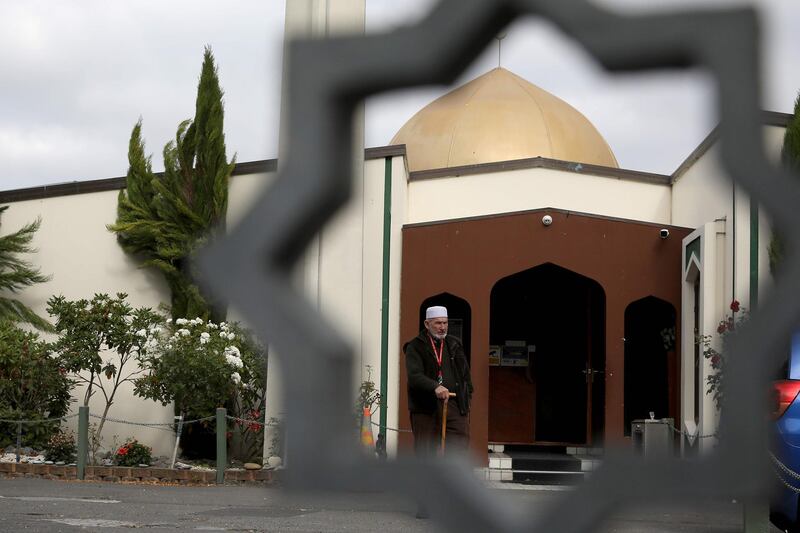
column 437, row 337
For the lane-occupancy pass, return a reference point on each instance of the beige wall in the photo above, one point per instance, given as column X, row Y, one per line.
column 84, row 258
column 520, row 190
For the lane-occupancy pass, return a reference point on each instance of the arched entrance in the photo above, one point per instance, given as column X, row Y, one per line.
column 650, row 361
column 547, row 325
column 459, row 318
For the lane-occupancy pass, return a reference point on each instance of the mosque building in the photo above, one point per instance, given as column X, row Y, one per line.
column 578, row 287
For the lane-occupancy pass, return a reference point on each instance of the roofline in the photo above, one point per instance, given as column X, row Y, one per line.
column 541, row 162
column 111, row 184
column 768, row 118
column 546, row 209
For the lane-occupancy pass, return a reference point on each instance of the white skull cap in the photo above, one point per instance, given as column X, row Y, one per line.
column 437, row 311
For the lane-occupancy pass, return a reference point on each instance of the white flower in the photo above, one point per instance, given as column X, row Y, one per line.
column 231, row 336
column 141, row 333
column 169, row 321
column 211, row 325
column 236, row 378
column 223, row 335
column 168, row 346
column 223, row 325
column 233, row 350
column 134, row 348
column 128, row 319
column 233, row 360
column 184, row 332
column 196, row 321
column 181, row 321
column 204, row 340
column 155, row 329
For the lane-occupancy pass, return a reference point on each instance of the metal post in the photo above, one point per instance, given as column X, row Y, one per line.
column 221, row 445
column 179, row 419
column 83, row 439
column 19, row 438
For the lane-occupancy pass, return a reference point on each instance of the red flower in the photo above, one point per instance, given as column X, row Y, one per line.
column 122, row 451
column 735, row 306
column 722, row 328
column 715, row 359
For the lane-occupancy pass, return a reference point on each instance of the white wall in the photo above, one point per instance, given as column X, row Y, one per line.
column 520, row 190
column 84, row 258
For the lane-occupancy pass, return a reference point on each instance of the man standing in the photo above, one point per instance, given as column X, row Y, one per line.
column 436, row 366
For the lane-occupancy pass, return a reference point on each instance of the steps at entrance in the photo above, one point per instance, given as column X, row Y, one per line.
column 540, row 465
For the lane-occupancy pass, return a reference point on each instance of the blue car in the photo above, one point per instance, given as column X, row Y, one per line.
column 786, row 441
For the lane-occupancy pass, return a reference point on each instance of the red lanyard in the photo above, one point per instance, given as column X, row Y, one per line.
column 438, row 356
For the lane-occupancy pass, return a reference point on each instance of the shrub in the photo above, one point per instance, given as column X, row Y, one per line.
column 61, row 447
column 32, row 386
column 133, row 453
column 201, row 366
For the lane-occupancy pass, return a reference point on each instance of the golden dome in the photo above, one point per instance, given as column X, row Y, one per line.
column 499, row 117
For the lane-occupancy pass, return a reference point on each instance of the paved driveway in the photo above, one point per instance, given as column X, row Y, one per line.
column 34, row 505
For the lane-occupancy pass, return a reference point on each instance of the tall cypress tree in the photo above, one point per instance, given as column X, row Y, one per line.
column 166, row 218
column 790, row 157
column 16, row 274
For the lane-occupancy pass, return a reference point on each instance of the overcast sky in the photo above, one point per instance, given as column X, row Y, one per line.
column 78, row 74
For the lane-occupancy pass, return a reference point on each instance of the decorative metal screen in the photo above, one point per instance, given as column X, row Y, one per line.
column 253, row 266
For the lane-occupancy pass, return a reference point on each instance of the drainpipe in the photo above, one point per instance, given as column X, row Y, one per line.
column 387, row 226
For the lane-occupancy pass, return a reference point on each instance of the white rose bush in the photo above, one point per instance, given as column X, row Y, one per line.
column 200, row 366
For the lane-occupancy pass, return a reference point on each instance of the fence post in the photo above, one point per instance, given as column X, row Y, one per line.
column 19, row 438
column 83, row 439
column 222, row 458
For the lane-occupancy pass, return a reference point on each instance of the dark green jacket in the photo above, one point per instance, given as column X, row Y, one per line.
column 422, row 371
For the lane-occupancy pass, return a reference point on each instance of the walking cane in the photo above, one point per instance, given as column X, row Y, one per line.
column 444, row 420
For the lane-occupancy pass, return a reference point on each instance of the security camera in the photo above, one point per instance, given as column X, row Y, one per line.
column 547, row 220
column 663, row 233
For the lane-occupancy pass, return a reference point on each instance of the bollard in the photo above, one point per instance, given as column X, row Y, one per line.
column 83, row 439
column 221, row 445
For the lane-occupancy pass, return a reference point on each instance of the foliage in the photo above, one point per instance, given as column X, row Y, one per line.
column 250, row 401
column 166, row 218
column 101, row 339
column 32, row 386
column 368, row 394
column 16, row 274
column 133, row 453
column 61, row 447
column 201, row 366
column 716, row 381
column 790, row 157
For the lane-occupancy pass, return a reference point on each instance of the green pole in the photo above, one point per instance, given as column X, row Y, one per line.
column 753, row 255
column 222, row 458
column 83, row 439
column 387, row 237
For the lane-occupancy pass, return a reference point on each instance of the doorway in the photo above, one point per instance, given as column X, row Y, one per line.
column 547, row 340
column 459, row 318
column 650, row 361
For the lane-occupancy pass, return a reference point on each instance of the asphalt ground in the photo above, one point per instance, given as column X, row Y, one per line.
column 34, row 505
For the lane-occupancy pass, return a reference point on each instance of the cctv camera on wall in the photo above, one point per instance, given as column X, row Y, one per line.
column 663, row 233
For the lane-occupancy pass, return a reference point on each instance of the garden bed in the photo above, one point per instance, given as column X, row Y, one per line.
column 116, row 474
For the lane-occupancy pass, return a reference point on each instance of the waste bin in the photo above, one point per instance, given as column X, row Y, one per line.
column 652, row 438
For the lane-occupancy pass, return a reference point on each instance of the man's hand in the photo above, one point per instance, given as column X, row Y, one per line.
column 441, row 392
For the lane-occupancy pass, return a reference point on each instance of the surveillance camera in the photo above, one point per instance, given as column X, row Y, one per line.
column 547, row 220
column 663, row 233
